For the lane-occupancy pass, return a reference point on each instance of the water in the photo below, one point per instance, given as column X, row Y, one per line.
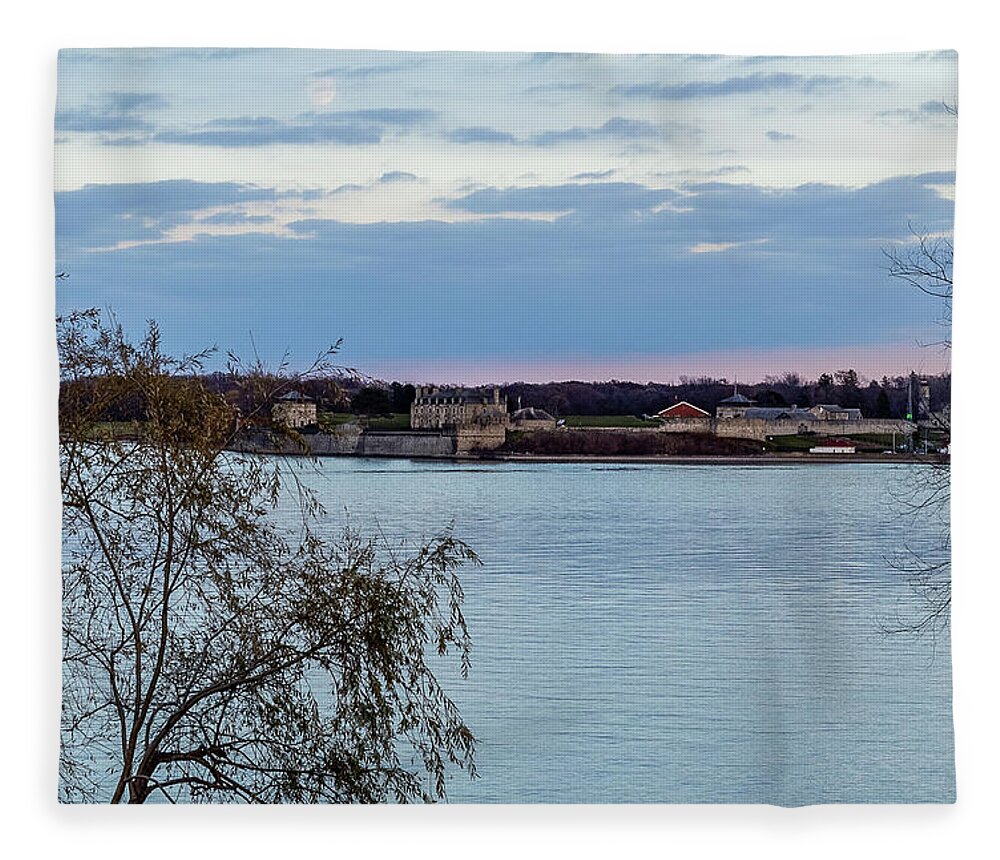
column 678, row 633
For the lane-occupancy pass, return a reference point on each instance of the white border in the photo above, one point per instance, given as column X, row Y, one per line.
column 37, row 827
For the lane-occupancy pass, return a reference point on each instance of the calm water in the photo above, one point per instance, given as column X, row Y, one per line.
column 678, row 633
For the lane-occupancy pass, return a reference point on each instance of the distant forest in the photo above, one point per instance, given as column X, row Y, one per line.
column 886, row 398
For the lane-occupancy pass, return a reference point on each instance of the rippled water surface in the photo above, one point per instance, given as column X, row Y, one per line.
column 678, row 633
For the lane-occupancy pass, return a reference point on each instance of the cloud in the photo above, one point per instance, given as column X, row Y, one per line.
column 348, row 187
column 555, row 88
column 556, row 56
column 778, row 136
column 721, row 247
column 127, row 140
column 112, row 112
column 940, row 177
column 102, row 216
column 744, row 84
column 480, row 134
column 597, row 174
column 612, row 276
column 602, row 197
column 831, row 214
column 702, row 173
column 343, row 127
column 226, row 218
column 935, row 108
column 926, row 112
column 153, row 55
column 616, row 128
column 368, row 71
column 394, row 176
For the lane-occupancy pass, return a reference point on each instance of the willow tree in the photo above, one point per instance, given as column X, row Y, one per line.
column 209, row 653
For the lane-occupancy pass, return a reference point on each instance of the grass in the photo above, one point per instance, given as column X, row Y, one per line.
column 397, row 421
column 328, row 419
column 867, row 442
column 792, row 443
column 608, row 421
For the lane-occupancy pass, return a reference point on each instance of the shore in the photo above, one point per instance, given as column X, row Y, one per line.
column 574, row 447
column 771, row 459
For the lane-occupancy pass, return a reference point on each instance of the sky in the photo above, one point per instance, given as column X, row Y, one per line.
column 495, row 217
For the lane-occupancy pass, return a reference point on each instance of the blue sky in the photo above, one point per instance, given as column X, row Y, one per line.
column 494, row 217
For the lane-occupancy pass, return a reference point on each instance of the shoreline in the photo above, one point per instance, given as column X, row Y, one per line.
column 721, row 459
column 763, row 460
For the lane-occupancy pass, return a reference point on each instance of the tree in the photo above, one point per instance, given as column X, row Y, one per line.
column 770, row 397
column 926, row 263
column 883, row 408
column 402, row 396
column 210, row 654
column 850, row 389
column 371, row 400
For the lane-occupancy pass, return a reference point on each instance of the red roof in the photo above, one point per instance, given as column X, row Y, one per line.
column 682, row 410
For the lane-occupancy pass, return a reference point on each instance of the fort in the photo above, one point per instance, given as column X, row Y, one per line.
column 738, row 417
column 452, row 422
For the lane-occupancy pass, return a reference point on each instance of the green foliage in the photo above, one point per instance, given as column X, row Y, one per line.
column 210, row 655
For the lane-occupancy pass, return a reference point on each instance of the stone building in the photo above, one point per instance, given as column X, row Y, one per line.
column 735, row 406
column 531, row 418
column 458, row 408
column 832, row 412
column 294, row 409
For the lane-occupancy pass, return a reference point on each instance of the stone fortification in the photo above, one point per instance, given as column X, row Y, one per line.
column 755, row 428
column 351, row 440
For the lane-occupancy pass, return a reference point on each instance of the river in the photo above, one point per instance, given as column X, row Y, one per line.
column 673, row 633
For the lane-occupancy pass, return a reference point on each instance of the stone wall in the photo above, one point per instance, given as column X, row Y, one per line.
column 701, row 424
column 374, row 443
column 487, row 438
column 757, row 428
column 350, row 440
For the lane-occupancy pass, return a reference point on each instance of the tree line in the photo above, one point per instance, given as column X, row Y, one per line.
column 884, row 398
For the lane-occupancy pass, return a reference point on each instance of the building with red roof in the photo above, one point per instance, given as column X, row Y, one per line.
column 682, row 409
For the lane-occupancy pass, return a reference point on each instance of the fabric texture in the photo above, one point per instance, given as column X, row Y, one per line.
column 505, row 428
